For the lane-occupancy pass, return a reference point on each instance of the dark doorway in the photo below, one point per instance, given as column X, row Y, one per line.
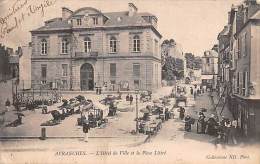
column 86, row 77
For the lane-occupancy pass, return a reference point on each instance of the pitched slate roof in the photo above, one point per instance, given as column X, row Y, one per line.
column 134, row 20
column 55, row 23
column 112, row 20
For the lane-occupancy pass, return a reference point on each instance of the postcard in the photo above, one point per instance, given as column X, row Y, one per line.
column 141, row 81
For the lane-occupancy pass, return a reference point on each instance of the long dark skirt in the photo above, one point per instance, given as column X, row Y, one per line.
column 187, row 127
column 181, row 115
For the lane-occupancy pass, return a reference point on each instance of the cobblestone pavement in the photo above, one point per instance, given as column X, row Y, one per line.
column 120, row 125
column 172, row 143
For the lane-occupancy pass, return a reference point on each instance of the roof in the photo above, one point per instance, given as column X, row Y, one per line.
column 55, row 25
column 125, row 20
column 225, row 31
column 210, row 53
column 114, row 19
column 256, row 15
column 253, row 14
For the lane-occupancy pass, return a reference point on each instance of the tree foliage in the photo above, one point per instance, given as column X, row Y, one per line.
column 193, row 62
column 172, row 69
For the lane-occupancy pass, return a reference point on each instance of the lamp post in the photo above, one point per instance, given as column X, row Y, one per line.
column 136, row 100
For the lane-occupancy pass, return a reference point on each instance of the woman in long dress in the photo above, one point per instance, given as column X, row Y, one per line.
column 212, row 123
column 201, row 123
column 188, row 122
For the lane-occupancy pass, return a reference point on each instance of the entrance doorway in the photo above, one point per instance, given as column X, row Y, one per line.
column 86, row 77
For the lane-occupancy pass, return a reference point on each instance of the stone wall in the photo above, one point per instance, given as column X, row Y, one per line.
column 149, row 60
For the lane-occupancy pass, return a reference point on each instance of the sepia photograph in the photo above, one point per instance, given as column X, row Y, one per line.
column 119, row 81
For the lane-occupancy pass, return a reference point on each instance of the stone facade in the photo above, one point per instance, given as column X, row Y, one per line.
column 119, row 40
column 239, row 58
column 209, row 69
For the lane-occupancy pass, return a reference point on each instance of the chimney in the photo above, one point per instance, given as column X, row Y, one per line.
column 66, row 13
column 132, row 9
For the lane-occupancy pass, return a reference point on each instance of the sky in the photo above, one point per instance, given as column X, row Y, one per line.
column 194, row 24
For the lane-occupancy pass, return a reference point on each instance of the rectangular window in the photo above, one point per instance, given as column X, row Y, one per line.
column 137, row 84
column 207, row 60
column 87, row 44
column 240, row 83
column 136, row 69
column 113, row 69
column 79, row 22
column 95, row 20
column 223, row 77
column 44, row 48
column 239, row 48
column 136, row 42
column 64, row 46
column 64, row 68
column 44, row 71
column 113, row 45
column 238, row 80
column 64, row 84
column 244, row 47
column 245, row 81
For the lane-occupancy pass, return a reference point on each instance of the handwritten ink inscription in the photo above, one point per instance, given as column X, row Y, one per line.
column 19, row 11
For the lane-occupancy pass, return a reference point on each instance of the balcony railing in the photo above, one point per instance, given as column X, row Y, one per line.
column 83, row 55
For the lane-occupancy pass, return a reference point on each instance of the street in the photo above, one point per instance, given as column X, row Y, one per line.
column 171, row 141
column 108, row 81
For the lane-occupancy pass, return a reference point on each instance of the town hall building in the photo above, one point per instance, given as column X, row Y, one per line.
column 86, row 48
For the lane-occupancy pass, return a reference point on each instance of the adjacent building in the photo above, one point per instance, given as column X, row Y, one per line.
column 87, row 48
column 9, row 63
column 209, row 70
column 25, row 68
column 240, row 72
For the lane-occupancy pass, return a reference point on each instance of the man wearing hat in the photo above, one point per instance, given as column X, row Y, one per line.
column 86, row 129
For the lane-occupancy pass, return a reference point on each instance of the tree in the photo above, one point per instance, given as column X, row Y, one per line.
column 172, row 68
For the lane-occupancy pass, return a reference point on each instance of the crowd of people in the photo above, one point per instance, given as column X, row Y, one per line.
column 225, row 130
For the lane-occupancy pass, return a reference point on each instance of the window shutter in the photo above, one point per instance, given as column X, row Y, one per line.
column 117, row 44
column 246, row 84
column 59, row 45
column 69, row 45
column 130, row 43
column 240, row 82
column 38, row 47
column 245, row 47
column 48, row 46
column 107, row 44
column 141, row 43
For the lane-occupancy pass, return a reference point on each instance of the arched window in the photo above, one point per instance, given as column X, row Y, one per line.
column 44, row 47
column 112, row 43
column 87, row 44
column 136, row 42
column 64, row 46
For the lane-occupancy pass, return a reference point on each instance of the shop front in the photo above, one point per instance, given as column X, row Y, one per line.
column 247, row 113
